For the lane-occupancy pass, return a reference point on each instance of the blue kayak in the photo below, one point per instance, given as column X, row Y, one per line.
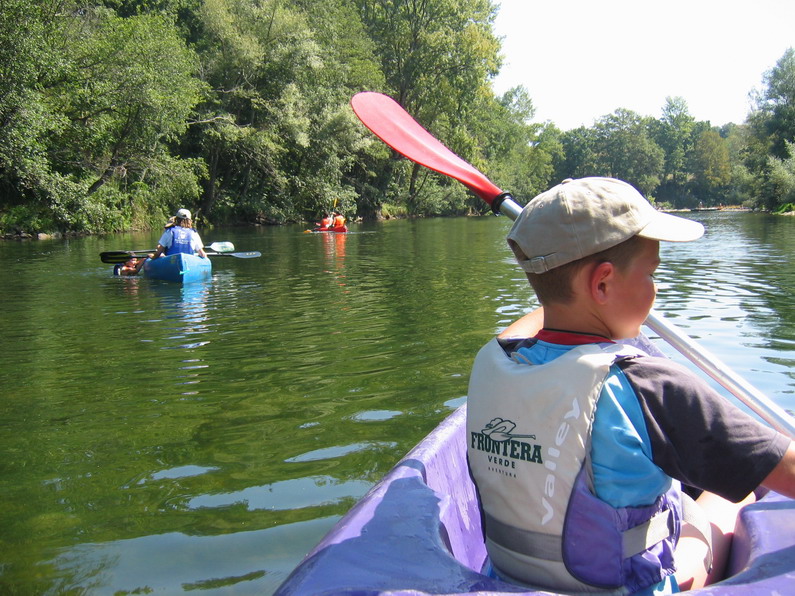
column 180, row 268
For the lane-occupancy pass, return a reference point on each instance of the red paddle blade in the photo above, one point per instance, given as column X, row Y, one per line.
column 393, row 125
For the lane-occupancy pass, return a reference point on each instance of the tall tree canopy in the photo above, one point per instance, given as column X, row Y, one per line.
column 114, row 113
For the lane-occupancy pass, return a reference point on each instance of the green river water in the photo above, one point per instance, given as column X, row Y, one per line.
column 166, row 439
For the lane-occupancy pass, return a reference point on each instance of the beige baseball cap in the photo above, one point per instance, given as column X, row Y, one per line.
column 578, row 218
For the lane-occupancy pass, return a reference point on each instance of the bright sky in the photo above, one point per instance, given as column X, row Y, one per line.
column 583, row 59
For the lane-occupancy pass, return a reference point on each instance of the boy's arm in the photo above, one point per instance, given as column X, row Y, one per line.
column 782, row 478
column 528, row 326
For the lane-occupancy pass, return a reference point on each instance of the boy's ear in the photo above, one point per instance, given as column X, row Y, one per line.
column 599, row 281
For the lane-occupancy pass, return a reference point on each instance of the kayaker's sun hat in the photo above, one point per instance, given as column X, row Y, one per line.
column 183, row 214
column 579, row 218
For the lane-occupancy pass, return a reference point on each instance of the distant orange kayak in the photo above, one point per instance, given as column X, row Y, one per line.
column 337, row 229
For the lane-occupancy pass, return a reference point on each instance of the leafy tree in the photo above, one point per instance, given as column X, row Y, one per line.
column 782, row 177
column 772, row 126
column 674, row 136
column 437, row 57
column 27, row 62
column 517, row 154
column 183, row 13
column 674, row 133
column 129, row 8
column 740, row 188
column 128, row 90
column 627, row 151
column 713, row 168
column 350, row 55
column 433, row 51
column 580, row 154
column 126, row 95
column 23, row 56
column 777, row 102
column 277, row 133
column 109, row 96
column 245, row 50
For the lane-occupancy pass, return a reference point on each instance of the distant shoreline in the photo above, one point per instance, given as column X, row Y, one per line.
column 732, row 208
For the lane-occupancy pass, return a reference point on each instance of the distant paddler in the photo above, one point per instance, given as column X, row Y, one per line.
column 325, row 223
column 339, row 220
column 180, row 238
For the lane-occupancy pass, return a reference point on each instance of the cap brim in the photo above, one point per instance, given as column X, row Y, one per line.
column 670, row 228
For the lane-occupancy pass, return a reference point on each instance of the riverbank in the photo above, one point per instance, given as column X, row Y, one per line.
column 206, row 228
column 732, row 208
column 37, row 236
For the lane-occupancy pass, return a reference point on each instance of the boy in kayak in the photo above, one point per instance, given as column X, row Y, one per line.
column 180, row 237
column 131, row 267
column 582, row 493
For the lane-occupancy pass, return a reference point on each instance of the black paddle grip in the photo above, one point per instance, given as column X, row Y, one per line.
column 498, row 201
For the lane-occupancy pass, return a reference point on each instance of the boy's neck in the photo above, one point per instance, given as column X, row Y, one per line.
column 574, row 318
column 570, row 338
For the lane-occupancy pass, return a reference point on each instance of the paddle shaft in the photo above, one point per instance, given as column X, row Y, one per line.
column 757, row 401
column 115, row 257
column 393, row 125
column 217, row 246
column 118, row 257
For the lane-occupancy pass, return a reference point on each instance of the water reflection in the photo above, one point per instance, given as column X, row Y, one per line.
column 288, row 495
column 334, row 249
column 186, row 312
column 170, row 560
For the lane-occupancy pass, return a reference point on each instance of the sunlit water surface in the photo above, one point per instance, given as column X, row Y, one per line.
column 165, row 439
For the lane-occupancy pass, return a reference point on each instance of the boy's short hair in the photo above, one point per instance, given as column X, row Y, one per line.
column 579, row 218
column 556, row 285
column 582, row 221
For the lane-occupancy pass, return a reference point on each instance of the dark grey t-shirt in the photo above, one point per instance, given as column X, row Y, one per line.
column 697, row 435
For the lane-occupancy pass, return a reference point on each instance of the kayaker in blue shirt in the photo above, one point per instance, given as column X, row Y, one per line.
column 181, row 237
column 582, row 491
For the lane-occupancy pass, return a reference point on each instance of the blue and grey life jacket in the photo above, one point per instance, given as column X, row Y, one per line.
column 181, row 240
column 529, row 442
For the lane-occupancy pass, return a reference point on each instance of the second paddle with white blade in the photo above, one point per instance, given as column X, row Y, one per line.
column 393, row 125
column 222, row 249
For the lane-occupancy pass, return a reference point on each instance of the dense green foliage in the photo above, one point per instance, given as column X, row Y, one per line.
column 113, row 114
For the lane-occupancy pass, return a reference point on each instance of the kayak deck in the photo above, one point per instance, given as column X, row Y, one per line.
column 419, row 530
